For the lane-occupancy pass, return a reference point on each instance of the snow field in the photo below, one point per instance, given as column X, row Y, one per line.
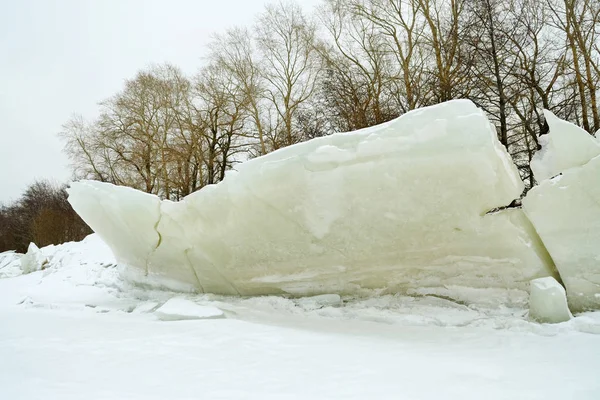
column 77, row 330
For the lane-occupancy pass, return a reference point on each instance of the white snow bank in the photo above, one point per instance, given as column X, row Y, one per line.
column 10, row 264
column 77, row 274
column 548, row 301
column 33, row 260
column 177, row 309
column 566, row 146
column 397, row 206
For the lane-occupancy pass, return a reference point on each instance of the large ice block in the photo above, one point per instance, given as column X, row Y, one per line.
column 398, row 206
column 565, row 210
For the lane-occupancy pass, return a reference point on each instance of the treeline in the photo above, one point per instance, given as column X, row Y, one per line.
column 41, row 215
column 351, row 64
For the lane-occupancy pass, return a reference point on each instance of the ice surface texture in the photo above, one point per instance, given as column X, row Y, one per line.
column 394, row 207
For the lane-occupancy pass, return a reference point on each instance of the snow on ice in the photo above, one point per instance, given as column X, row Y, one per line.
column 396, row 207
column 566, row 146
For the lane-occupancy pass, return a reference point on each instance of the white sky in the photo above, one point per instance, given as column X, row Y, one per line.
column 59, row 57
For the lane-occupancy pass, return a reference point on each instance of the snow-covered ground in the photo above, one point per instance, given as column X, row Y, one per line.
column 76, row 331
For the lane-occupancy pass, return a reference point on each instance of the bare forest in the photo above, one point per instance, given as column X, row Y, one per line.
column 41, row 215
column 347, row 65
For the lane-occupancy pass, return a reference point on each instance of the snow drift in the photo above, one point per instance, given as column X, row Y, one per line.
column 398, row 206
column 10, row 264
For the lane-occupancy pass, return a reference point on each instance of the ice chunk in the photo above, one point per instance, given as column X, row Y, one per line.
column 396, row 206
column 320, row 301
column 565, row 146
column 548, row 301
column 177, row 309
column 33, row 260
column 566, row 213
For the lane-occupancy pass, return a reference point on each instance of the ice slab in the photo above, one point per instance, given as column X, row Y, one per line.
column 177, row 309
column 394, row 207
column 565, row 210
column 548, row 301
column 33, row 260
column 566, row 146
column 566, row 214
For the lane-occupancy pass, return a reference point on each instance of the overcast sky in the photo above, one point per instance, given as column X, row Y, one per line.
column 59, row 57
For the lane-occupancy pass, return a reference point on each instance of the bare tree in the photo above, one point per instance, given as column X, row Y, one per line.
column 285, row 39
column 84, row 150
column 222, row 105
column 400, row 24
column 358, row 72
column 450, row 72
column 580, row 22
column 140, row 136
column 494, row 64
column 234, row 52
